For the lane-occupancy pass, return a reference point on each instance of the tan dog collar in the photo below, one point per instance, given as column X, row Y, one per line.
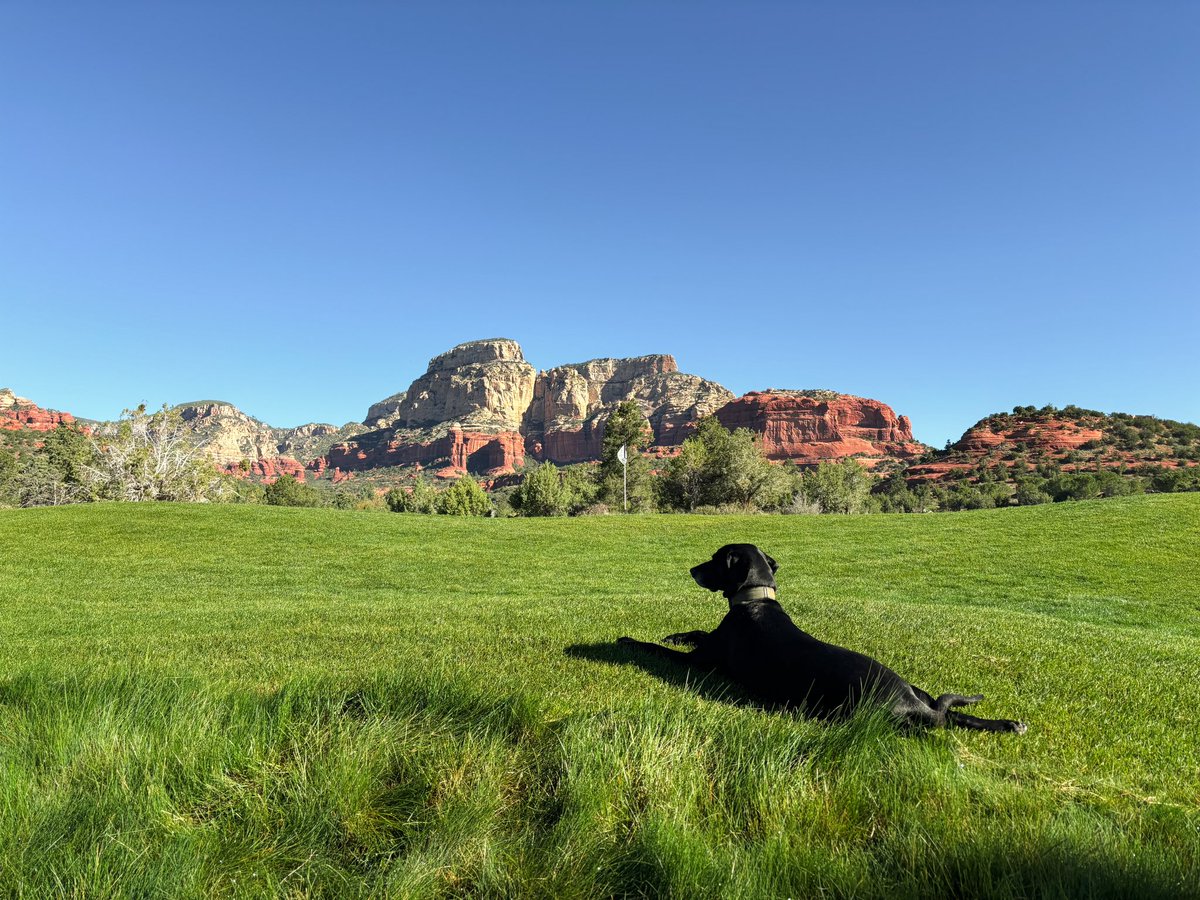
column 750, row 594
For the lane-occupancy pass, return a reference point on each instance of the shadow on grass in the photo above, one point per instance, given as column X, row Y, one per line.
column 709, row 685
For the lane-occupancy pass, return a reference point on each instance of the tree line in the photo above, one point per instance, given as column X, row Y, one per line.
column 151, row 456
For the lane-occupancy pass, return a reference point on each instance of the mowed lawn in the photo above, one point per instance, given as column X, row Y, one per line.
column 243, row 701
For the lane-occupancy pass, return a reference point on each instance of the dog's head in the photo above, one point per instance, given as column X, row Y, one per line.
column 736, row 567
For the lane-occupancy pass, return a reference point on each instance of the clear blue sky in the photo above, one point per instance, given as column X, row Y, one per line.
column 952, row 207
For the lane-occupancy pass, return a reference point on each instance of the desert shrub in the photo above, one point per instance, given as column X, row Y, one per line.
column 547, row 490
column 717, row 467
column 1029, row 493
column 287, row 491
column 419, row 498
column 242, row 490
column 837, row 487
column 464, row 498
column 541, row 493
column 802, row 506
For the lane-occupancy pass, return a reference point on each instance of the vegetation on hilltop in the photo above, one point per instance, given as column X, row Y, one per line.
column 715, row 469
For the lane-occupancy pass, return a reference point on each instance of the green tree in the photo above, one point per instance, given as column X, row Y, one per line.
column 70, row 452
column 838, row 487
column 150, row 456
column 287, row 491
column 1029, row 492
column 628, row 428
column 420, row 498
column 894, row 494
column 684, row 484
column 717, row 467
column 541, row 493
column 10, row 471
column 464, row 498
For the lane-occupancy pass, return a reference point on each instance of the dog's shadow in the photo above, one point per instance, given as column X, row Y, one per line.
column 709, row 685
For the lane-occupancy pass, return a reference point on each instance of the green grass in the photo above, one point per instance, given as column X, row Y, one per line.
column 219, row 700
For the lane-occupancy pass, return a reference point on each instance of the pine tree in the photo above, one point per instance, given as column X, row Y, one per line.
column 627, row 428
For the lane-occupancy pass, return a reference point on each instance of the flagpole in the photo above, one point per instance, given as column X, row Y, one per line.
column 621, row 455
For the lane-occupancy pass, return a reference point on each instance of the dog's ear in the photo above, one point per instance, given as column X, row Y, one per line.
column 770, row 562
column 731, row 559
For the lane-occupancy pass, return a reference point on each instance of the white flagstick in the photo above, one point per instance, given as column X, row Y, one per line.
column 625, row 478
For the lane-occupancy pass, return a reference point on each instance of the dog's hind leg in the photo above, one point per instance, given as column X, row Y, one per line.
column 962, row 720
column 946, row 701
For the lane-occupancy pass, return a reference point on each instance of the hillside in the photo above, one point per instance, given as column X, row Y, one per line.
column 481, row 407
column 1070, row 439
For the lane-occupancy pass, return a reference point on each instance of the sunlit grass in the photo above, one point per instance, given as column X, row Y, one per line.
column 219, row 700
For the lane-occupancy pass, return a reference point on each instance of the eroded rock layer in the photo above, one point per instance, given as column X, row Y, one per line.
column 571, row 403
column 808, row 427
column 20, row 414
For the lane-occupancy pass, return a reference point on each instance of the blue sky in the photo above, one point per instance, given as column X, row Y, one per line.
column 951, row 207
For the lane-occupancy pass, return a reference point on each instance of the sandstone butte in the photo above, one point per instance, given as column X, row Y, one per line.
column 809, row 427
column 481, row 407
column 20, row 414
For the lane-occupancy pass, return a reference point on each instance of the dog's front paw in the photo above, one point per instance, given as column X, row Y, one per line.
column 1018, row 727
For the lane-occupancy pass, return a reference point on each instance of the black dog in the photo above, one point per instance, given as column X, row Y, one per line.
column 758, row 646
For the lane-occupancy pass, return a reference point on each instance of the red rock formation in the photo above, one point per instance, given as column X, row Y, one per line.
column 269, row 470
column 19, row 414
column 1047, row 435
column 810, row 426
column 458, row 449
column 1078, row 441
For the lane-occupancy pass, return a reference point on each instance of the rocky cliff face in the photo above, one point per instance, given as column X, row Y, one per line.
column 228, row 434
column 20, row 414
column 464, row 413
column 481, row 407
column 385, row 412
column 565, row 422
column 230, row 437
column 808, row 427
column 481, row 385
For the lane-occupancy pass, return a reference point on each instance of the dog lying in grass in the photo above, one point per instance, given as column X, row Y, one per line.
column 758, row 646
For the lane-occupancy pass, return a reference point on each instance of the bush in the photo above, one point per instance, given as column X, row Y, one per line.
column 464, row 498
column 547, row 490
column 540, row 493
column 837, row 487
column 287, row 491
column 1029, row 493
column 420, row 498
column 722, row 468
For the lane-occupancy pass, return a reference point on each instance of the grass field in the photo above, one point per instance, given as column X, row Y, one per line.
column 221, row 700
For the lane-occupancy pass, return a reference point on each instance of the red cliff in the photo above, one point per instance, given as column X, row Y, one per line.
column 808, row 427
column 457, row 449
column 19, row 414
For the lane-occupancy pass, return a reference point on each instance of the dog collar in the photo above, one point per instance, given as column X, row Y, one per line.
column 750, row 594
